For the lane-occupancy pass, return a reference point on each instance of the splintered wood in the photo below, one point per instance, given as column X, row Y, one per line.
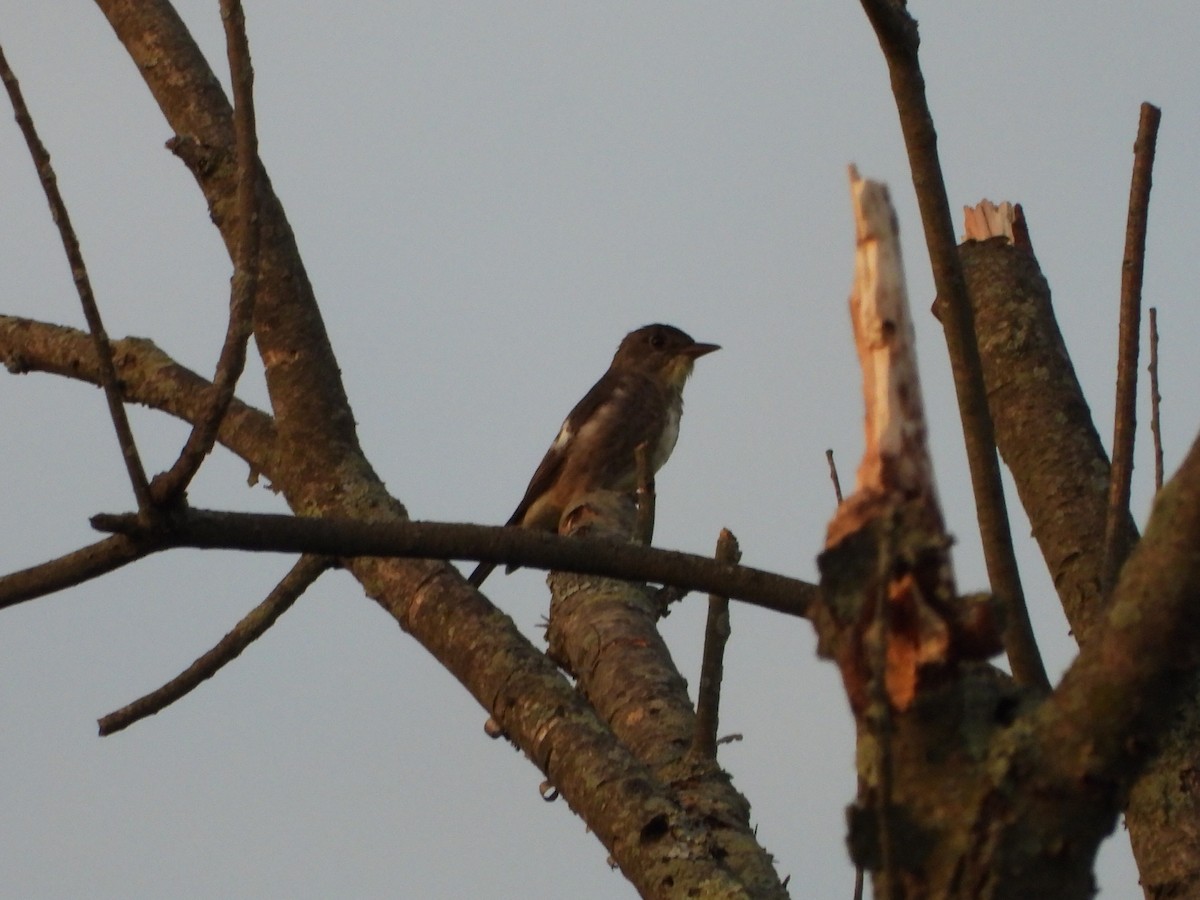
column 896, row 456
column 901, row 601
column 985, row 221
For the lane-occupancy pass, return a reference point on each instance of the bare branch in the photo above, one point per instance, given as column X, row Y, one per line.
column 1043, row 426
column 302, row 373
column 71, row 569
column 442, row 540
column 83, row 285
column 1116, row 547
column 603, row 631
column 148, row 376
column 170, row 486
column 897, row 33
column 1124, row 690
column 1155, row 402
column 712, row 666
column 833, row 475
column 306, row 570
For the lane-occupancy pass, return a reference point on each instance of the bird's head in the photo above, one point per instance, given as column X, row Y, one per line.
column 662, row 351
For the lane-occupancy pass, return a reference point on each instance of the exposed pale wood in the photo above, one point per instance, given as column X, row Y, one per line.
column 896, row 453
column 987, row 220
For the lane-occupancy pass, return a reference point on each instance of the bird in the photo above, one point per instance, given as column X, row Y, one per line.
column 638, row 400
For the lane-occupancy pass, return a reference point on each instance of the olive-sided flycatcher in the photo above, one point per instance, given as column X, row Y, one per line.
column 638, row 400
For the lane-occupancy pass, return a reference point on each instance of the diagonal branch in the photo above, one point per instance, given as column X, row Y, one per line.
column 147, row 376
column 253, row 626
column 897, row 33
column 1044, row 428
column 604, row 633
column 170, row 486
column 91, row 312
column 72, row 568
column 308, row 398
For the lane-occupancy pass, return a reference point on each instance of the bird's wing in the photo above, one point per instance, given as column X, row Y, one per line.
column 585, row 410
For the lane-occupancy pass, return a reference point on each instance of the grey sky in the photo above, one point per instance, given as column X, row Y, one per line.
column 488, row 196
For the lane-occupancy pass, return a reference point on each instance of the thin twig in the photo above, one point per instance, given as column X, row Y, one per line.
column 833, row 474
column 170, row 486
column 447, row 540
column 1155, row 401
column 712, row 667
column 306, row 570
column 83, row 285
column 643, row 529
column 72, row 568
column 899, row 40
column 1125, row 416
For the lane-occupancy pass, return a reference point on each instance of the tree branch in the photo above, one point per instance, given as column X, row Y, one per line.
column 171, row 485
column 1044, row 428
column 308, row 398
column 442, row 540
column 253, row 626
column 603, row 632
column 897, row 33
column 1116, row 547
column 83, row 285
column 71, row 569
column 147, row 376
column 1155, row 401
column 712, row 666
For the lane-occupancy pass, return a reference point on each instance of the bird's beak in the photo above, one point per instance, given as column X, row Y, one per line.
column 697, row 350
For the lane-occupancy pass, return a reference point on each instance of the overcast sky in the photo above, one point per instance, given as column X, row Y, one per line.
column 488, row 196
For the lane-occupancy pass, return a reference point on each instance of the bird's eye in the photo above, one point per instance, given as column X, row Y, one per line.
column 657, row 340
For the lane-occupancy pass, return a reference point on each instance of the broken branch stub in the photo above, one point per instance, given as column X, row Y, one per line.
column 886, row 570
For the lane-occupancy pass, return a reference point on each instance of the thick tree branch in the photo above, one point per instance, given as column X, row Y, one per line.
column 1045, row 432
column 311, row 410
column 604, row 632
column 441, row 540
column 1044, row 429
column 897, row 33
column 1125, row 685
column 1065, row 772
column 83, row 285
column 147, row 376
column 253, row 626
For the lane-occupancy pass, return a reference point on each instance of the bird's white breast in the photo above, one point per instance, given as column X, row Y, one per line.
column 670, row 435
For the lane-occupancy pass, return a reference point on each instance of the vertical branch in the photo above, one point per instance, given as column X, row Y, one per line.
column 898, row 38
column 1155, row 402
column 170, row 486
column 83, row 285
column 1125, row 417
column 833, row 474
column 712, row 667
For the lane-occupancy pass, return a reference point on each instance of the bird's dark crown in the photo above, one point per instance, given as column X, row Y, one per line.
column 656, row 346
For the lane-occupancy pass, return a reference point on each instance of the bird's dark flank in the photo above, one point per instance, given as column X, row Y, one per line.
column 638, row 400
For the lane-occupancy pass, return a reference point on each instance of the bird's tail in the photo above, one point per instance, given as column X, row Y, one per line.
column 482, row 571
